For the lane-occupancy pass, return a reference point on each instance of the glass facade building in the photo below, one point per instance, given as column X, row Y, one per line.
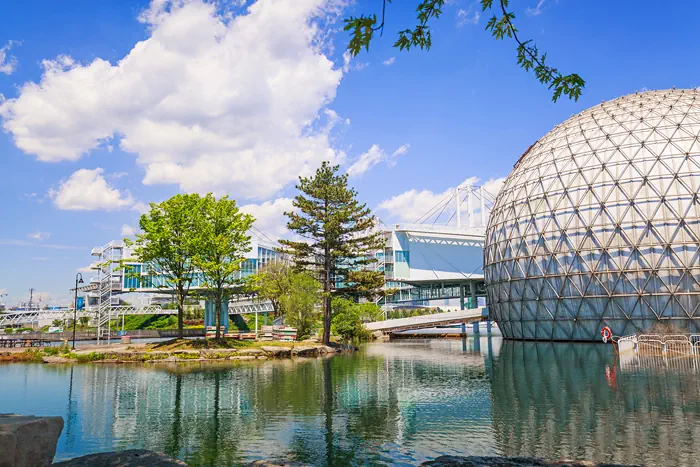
column 598, row 224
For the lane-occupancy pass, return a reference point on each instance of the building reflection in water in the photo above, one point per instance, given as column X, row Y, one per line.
column 399, row 402
column 572, row 400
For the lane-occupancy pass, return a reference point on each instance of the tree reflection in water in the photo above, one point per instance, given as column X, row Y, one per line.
column 400, row 402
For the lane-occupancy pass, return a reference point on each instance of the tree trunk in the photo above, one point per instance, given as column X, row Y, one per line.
column 327, row 299
column 180, row 312
column 217, row 304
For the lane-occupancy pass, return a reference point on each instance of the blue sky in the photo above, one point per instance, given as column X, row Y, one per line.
column 110, row 105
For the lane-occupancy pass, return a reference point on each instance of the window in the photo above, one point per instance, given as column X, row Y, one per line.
column 401, row 256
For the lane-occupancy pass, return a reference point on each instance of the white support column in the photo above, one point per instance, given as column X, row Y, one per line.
column 459, row 207
column 483, row 206
column 470, row 208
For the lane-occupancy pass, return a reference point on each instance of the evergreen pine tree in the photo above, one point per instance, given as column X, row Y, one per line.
column 341, row 238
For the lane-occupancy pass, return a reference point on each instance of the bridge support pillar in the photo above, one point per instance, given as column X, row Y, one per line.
column 461, row 297
column 464, row 330
column 472, row 295
column 475, row 327
column 488, row 326
column 210, row 314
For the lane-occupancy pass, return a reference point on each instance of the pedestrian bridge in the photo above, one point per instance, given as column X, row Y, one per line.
column 429, row 321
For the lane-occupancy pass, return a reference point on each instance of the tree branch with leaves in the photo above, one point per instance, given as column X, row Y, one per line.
column 501, row 25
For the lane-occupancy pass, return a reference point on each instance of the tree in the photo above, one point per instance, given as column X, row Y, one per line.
column 272, row 282
column 500, row 25
column 299, row 303
column 223, row 243
column 340, row 238
column 347, row 320
column 56, row 323
column 168, row 244
column 293, row 294
column 84, row 320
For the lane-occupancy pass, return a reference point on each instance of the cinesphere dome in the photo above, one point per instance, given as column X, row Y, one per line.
column 597, row 224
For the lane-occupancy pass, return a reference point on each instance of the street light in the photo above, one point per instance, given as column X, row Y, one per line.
column 78, row 280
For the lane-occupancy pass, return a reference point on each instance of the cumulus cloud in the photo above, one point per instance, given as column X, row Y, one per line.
column 40, row 236
column 128, row 230
column 8, row 63
column 87, row 190
column 471, row 15
column 208, row 102
column 411, row 205
column 374, row 156
column 269, row 216
column 389, row 61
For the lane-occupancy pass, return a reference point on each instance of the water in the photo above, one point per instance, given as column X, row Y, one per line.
column 396, row 403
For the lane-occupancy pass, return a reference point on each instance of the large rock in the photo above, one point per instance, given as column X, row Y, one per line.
column 305, row 351
column 274, row 351
column 255, row 352
column 474, row 461
column 28, row 441
column 131, row 458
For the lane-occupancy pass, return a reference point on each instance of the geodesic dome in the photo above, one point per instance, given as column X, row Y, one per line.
column 598, row 224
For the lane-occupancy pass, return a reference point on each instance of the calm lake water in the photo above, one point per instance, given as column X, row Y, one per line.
column 396, row 403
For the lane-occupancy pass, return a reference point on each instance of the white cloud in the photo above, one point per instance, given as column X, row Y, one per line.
column 207, row 102
column 411, row 205
column 13, row 242
column 87, row 190
column 269, row 216
column 40, row 236
column 8, row 63
column 471, row 15
column 537, row 10
column 40, row 258
column 389, row 61
column 374, row 156
column 128, row 230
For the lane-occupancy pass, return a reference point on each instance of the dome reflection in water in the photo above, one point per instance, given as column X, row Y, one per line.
column 394, row 403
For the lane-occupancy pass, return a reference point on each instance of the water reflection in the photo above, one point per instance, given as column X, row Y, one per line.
column 393, row 403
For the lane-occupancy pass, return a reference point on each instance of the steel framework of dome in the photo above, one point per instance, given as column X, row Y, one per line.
column 598, row 224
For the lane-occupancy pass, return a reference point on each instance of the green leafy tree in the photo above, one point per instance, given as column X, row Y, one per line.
column 347, row 320
column 272, row 282
column 340, row 238
column 293, row 294
column 299, row 303
column 84, row 320
column 168, row 244
column 57, row 323
column 223, row 243
column 501, row 25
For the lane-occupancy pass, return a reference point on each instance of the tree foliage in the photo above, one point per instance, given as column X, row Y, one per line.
column 500, row 25
column 347, row 320
column 224, row 240
column 168, row 244
column 293, row 294
column 339, row 238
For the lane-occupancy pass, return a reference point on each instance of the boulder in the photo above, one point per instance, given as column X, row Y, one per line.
column 131, row 458
column 276, row 464
column 28, row 441
column 242, row 357
column 476, row 461
column 55, row 359
column 274, row 351
column 251, row 352
column 305, row 351
column 325, row 349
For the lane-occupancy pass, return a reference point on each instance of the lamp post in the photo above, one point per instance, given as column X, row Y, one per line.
column 78, row 280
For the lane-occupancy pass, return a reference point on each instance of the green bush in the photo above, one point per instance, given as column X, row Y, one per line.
column 347, row 320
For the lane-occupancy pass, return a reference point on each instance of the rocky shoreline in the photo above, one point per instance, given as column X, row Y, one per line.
column 129, row 355
column 141, row 458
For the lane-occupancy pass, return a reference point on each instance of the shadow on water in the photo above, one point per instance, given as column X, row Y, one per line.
column 396, row 403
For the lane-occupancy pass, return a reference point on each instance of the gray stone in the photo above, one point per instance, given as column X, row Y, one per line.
column 274, row 351
column 262, row 357
column 325, row 349
column 243, row 357
column 305, row 351
column 475, row 461
column 28, row 441
column 54, row 359
column 276, row 464
column 251, row 352
column 131, row 458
